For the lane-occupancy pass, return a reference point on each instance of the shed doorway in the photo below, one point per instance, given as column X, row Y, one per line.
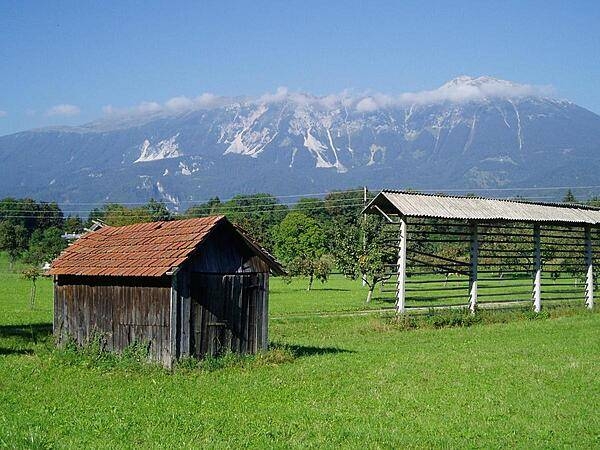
column 227, row 313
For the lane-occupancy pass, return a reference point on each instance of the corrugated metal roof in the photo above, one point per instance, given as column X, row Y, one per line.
column 413, row 204
column 142, row 250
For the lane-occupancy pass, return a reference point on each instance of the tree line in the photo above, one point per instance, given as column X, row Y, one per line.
column 311, row 237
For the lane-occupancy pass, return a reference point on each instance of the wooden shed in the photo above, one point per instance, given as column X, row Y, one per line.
column 192, row 287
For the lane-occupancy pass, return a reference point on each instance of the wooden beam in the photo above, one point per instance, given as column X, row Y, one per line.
column 265, row 322
column 185, row 296
column 401, row 268
column 173, row 320
column 474, row 253
column 388, row 218
column 537, row 269
column 589, row 263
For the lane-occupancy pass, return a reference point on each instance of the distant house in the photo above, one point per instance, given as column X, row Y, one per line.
column 192, row 287
column 70, row 237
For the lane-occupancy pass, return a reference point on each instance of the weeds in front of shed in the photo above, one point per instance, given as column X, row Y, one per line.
column 274, row 356
column 95, row 354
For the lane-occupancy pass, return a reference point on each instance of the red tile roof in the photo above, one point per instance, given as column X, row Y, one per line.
column 142, row 250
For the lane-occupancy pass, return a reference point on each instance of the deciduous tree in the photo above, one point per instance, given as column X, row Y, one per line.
column 371, row 258
column 300, row 242
column 44, row 246
column 13, row 240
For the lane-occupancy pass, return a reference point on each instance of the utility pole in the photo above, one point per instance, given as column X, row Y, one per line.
column 364, row 275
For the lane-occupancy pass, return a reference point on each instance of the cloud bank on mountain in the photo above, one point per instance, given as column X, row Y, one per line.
column 63, row 110
column 459, row 90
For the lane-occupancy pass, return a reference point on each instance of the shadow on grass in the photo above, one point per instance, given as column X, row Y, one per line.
column 331, row 289
column 14, row 351
column 300, row 351
column 314, row 289
column 29, row 333
column 390, row 300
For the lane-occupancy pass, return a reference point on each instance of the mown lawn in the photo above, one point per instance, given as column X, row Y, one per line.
column 355, row 381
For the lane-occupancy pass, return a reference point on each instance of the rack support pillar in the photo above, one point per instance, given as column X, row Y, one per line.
column 474, row 254
column 537, row 269
column 589, row 264
column 401, row 268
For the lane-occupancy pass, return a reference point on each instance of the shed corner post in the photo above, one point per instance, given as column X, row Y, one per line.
column 589, row 263
column 58, row 320
column 173, row 319
column 537, row 268
column 473, row 263
column 401, row 268
column 265, row 319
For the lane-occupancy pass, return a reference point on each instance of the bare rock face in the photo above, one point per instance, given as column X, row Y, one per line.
column 469, row 133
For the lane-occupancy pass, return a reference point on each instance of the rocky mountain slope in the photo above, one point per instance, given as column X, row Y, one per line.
column 469, row 133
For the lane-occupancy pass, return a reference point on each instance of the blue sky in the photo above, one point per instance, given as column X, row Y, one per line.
column 62, row 62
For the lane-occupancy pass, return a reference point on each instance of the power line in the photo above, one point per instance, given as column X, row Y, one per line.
column 205, row 200
column 533, row 188
column 130, row 213
column 33, row 209
column 241, row 209
column 35, row 213
column 31, row 213
column 331, row 202
column 317, row 194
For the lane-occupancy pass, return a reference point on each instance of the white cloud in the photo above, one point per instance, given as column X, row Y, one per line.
column 461, row 89
column 142, row 108
column 281, row 94
column 109, row 110
column 374, row 102
column 330, row 102
column 208, row 100
column 148, row 107
column 464, row 89
column 367, row 104
column 333, row 101
column 179, row 103
column 173, row 105
column 63, row 110
column 3, row 113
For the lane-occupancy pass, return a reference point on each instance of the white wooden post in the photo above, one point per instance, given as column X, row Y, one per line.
column 537, row 269
column 401, row 268
column 474, row 253
column 589, row 263
column 364, row 276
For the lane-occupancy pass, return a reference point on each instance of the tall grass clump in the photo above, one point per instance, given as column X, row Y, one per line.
column 452, row 318
column 276, row 354
column 95, row 355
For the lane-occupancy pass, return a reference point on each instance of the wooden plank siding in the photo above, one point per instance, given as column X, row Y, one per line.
column 121, row 311
column 228, row 313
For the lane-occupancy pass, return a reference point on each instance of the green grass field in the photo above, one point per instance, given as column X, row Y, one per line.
column 353, row 381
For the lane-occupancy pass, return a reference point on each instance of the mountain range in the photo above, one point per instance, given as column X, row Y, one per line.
column 472, row 132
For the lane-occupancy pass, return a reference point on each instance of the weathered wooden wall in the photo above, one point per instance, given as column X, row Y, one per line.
column 228, row 313
column 123, row 310
column 222, row 302
column 225, row 252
